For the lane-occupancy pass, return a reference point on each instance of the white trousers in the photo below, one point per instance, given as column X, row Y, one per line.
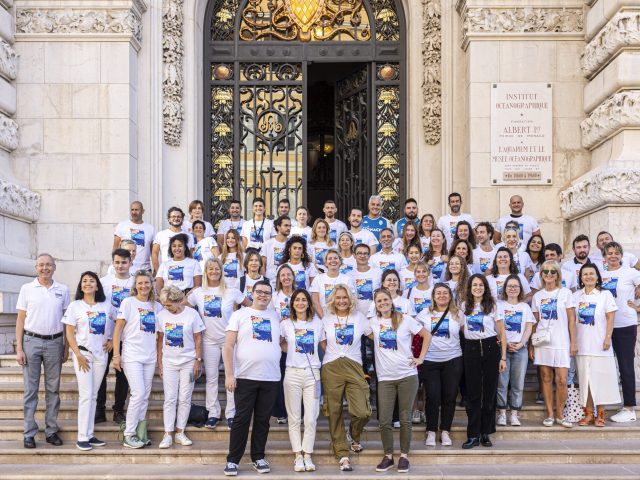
column 178, row 388
column 88, row 386
column 299, row 388
column 212, row 358
column 140, row 378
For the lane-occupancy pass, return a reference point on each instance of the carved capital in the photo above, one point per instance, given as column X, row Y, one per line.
column 623, row 30
column 431, row 58
column 621, row 110
column 19, row 202
column 8, row 133
column 617, row 186
column 173, row 80
column 8, row 61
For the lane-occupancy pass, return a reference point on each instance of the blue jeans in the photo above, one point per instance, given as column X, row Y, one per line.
column 513, row 376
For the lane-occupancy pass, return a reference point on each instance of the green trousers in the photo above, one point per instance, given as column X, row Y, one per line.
column 405, row 390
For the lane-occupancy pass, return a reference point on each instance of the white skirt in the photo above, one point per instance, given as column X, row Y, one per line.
column 598, row 374
column 552, row 357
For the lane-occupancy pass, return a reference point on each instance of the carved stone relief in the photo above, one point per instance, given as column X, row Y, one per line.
column 8, row 61
column 620, row 110
column 173, row 80
column 8, row 133
column 431, row 83
column 19, row 202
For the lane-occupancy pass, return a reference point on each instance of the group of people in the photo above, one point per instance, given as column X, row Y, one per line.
column 293, row 312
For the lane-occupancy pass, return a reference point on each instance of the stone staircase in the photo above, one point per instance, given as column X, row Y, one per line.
column 530, row 451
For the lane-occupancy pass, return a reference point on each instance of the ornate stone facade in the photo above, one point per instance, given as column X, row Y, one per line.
column 19, row 202
column 621, row 110
column 8, row 61
column 8, row 133
column 173, row 76
column 431, row 84
column 605, row 187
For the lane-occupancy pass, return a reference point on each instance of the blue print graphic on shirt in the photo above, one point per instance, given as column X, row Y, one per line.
column 586, row 313
column 443, row 329
column 319, row 254
column 475, row 322
column 521, row 230
column 344, row 268
column 118, row 294
column 147, row 320
column 499, row 287
column 388, row 338
column 452, row 228
column 256, row 235
column 419, row 303
column 197, row 253
column 137, row 235
column 549, row 309
column 484, row 264
column 249, row 292
column 97, row 322
column 261, row 328
column 410, row 283
column 212, row 306
column 513, row 321
column 344, row 334
column 387, row 265
column 285, row 309
column 173, row 335
column 364, row 287
column 437, row 270
column 176, row 273
column 301, row 279
column 230, row 268
column 333, row 235
column 611, row 284
column 304, row 341
column 278, row 255
column 328, row 290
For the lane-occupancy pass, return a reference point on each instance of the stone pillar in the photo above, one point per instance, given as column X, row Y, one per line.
column 520, row 41
column 77, row 111
column 607, row 196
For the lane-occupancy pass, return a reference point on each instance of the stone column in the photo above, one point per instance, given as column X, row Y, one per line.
column 77, row 111
column 607, row 196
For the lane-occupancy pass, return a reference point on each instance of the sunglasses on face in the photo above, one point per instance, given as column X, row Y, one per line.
column 550, row 272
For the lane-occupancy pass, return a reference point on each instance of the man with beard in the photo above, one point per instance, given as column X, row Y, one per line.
column 336, row 227
column 527, row 225
column 581, row 248
column 234, row 222
column 373, row 221
column 448, row 223
column 410, row 215
column 160, row 251
column 360, row 235
column 139, row 232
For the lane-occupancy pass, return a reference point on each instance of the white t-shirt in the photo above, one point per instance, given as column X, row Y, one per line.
column 425, row 242
column 448, row 223
column 281, row 303
column 628, row 259
column 479, row 325
column 94, row 324
column 228, row 224
column 445, row 342
column 515, row 318
column 304, row 232
column 202, row 251
column 115, row 289
column 591, row 321
column 336, row 228
column 419, row 299
column 344, row 336
column 179, row 273
column 317, row 250
column 482, row 260
column 568, row 280
column 232, row 269
column 273, row 251
column 437, row 270
column 163, row 238
column 497, row 285
column 248, row 286
column 215, row 308
column 141, row 233
column 400, row 304
column 365, row 283
column 178, row 346
column 257, row 352
column 302, row 342
column 552, row 309
column 407, row 278
column 386, row 261
column 139, row 332
column 208, row 228
column 348, row 264
column 392, row 348
column 364, row 236
column 523, row 261
column 257, row 232
column 44, row 306
column 574, row 267
column 323, row 285
column 303, row 275
column 526, row 223
column 622, row 284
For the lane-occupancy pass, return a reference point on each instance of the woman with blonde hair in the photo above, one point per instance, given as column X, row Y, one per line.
column 232, row 258
column 324, row 283
column 320, row 242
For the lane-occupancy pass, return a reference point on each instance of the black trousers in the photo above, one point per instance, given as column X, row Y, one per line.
column 279, row 408
column 252, row 397
column 121, row 390
column 441, row 380
column 481, row 362
column 623, row 341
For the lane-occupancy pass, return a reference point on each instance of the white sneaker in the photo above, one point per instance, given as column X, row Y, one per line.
column 166, row 442
column 298, row 464
column 309, row 466
column 431, row 439
column 416, row 417
column 502, row 419
column 396, row 424
column 183, row 440
column 445, row 439
column 514, row 420
column 624, row 415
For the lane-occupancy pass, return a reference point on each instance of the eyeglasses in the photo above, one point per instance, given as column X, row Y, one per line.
column 513, row 286
column 261, row 292
column 550, row 272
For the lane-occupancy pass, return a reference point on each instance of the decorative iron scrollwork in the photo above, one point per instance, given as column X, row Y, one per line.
column 388, row 148
column 386, row 20
column 221, row 150
column 223, row 20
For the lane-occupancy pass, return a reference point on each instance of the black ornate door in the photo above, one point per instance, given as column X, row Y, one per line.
column 354, row 175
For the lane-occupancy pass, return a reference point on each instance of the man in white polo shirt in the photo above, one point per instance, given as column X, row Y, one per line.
column 39, row 341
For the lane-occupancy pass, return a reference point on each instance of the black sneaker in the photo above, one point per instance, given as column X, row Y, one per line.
column 100, row 417
column 54, row 440
column 94, row 442
column 403, row 465
column 84, row 446
column 212, row 422
column 385, row 464
column 119, row 417
column 261, row 466
column 29, row 442
column 231, row 470
column 229, row 423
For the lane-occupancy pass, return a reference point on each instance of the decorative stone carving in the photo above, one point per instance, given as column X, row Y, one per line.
column 605, row 187
column 173, row 81
column 431, row 83
column 623, row 30
column 522, row 20
column 8, row 133
column 621, row 110
column 19, row 202
column 8, row 61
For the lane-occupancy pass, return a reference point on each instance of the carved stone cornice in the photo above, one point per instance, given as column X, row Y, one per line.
column 623, row 30
column 611, row 186
column 621, row 110
column 8, row 133
column 173, row 79
column 8, row 61
column 19, row 202
column 431, row 58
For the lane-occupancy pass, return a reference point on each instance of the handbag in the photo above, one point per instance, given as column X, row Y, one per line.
column 572, row 409
column 542, row 337
column 197, row 416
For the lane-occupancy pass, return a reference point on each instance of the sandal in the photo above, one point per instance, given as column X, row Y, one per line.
column 356, row 447
column 600, row 419
column 345, row 465
column 588, row 417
